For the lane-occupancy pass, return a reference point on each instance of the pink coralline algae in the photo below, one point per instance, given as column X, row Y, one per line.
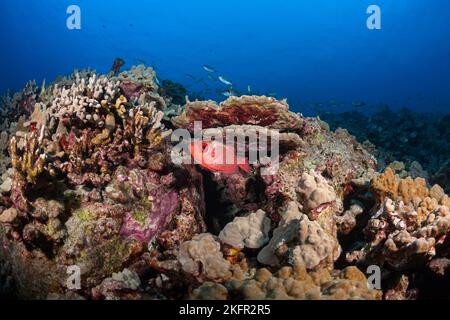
column 153, row 221
column 88, row 179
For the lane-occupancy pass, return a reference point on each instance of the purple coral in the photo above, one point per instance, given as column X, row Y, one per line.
column 153, row 221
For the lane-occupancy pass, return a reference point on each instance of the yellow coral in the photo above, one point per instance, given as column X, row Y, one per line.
column 388, row 185
column 385, row 185
column 102, row 138
column 412, row 191
column 425, row 207
column 31, row 163
column 120, row 106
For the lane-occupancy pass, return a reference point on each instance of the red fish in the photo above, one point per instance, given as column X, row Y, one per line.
column 213, row 156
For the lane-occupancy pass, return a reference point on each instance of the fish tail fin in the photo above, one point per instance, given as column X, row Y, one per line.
column 245, row 167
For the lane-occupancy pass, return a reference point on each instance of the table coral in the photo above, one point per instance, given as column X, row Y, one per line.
column 251, row 110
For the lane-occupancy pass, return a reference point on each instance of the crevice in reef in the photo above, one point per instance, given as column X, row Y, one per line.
column 217, row 212
column 355, row 238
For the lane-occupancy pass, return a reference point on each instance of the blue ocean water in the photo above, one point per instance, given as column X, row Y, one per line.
column 304, row 50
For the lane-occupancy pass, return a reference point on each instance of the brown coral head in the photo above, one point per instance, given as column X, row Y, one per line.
column 118, row 63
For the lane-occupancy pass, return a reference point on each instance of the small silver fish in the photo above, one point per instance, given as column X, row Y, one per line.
column 209, row 69
column 157, row 81
column 225, row 81
column 249, row 89
column 229, row 93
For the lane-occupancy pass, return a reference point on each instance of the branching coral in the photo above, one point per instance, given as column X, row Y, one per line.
column 397, row 238
column 411, row 192
column 31, row 163
column 408, row 190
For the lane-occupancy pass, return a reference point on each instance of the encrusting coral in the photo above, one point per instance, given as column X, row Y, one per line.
column 88, row 179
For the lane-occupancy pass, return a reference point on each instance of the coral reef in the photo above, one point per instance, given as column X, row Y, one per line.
column 122, row 285
column 411, row 225
column 419, row 141
column 292, row 283
column 315, row 193
column 300, row 241
column 88, row 178
column 399, row 240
